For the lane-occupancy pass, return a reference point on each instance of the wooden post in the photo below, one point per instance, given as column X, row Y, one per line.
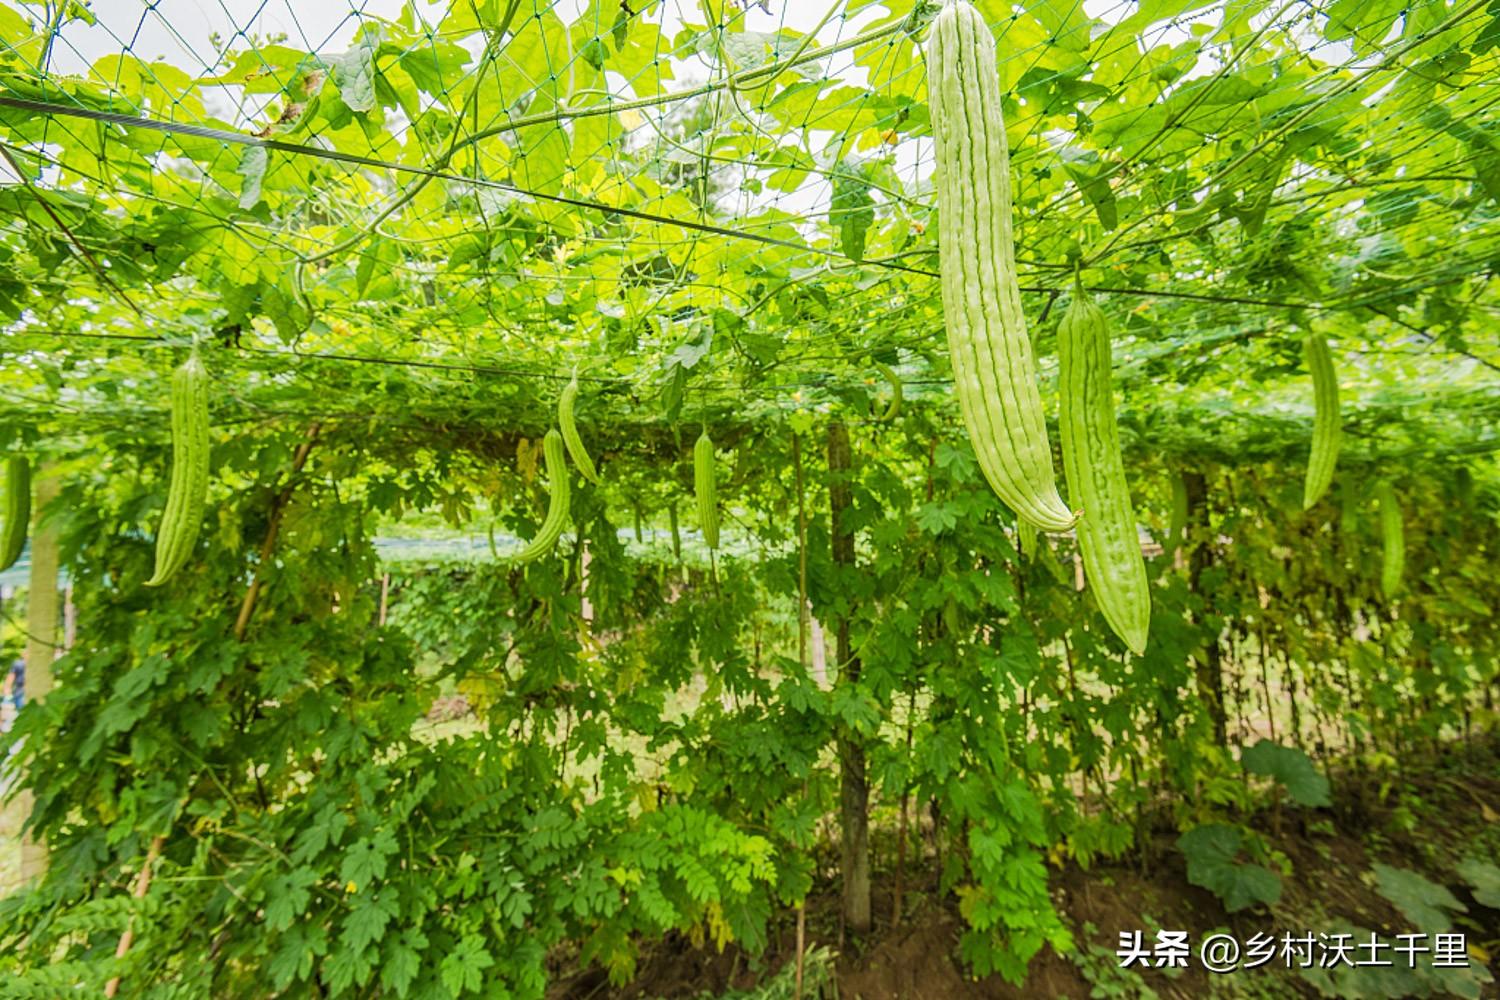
column 854, row 784
column 41, row 641
column 385, row 595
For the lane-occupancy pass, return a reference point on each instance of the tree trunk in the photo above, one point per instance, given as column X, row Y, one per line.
column 1208, row 670
column 854, row 797
column 41, row 642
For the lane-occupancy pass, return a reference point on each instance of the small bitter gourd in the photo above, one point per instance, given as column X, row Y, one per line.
column 187, row 490
column 1108, row 539
column 559, row 497
column 17, row 509
column 1177, row 524
column 993, row 368
column 1393, row 537
column 706, row 490
column 893, row 408
column 565, row 419
column 1326, row 427
column 1026, row 531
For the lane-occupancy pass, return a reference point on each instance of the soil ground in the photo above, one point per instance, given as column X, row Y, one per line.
column 1427, row 819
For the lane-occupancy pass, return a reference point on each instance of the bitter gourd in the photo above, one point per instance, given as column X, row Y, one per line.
column 893, row 408
column 1108, row 540
column 1326, row 427
column 570, row 435
column 187, row 491
column 559, row 497
column 17, row 509
column 1393, row 537
column 993, row 368
column 1177, row 525
column 706, row 490
column 1026, row 531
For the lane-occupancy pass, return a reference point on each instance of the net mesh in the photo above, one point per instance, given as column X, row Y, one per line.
column 741, row 193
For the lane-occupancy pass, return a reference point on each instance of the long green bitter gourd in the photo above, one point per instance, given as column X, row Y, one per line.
column 1108, row 539
column 993, row 368
column 570, row 433
column 1177, row 525
column 559, row 498
column 1393, row 537
column 893, row 408
column 17, row 509
column 187, row 491
column 706, row 490
column 1326, row 427
column 1026, row 532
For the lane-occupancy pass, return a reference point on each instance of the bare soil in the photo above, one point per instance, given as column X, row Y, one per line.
column 1451, row 810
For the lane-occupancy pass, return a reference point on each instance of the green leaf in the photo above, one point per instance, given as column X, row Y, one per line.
column 1425, row 903
column 366, row 860
column 369, row 917
column 853, row 211
column 594, row 53
column 1211, row 851
column 288, row 896
column 252, row 171
column 403, row 961
column 1290, row 766
column 937, row 517
column 463, row 970
column 1089, row 171
column 1484, row 879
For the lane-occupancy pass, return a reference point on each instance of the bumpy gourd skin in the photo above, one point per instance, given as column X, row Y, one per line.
column 559, row 498
column 187, row 492
column 993, row 368
column 1108, row 538
column 570, row 433
column 1393, row 536
column 706, row 490
column 1327, row 430
column 17, row 509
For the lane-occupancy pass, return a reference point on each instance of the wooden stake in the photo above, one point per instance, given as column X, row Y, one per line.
column 41, row 641
column 142, row 884
column 278, row 507
column 247, row 608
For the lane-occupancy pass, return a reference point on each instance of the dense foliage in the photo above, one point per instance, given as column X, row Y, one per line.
column 394, row 258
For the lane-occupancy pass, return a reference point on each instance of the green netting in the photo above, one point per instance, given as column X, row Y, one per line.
column 703, row 204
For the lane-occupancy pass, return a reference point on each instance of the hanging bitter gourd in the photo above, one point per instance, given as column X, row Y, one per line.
column 1108, row 540
column 1393, row 538
column 993, row 368
column 1326, row 427
column 706, row 490
column 17, row 509
column 1177, row 524
column 1026, row 532
column 187, row 490
column 559, row 498
column 570, row 435
column 893, row 408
